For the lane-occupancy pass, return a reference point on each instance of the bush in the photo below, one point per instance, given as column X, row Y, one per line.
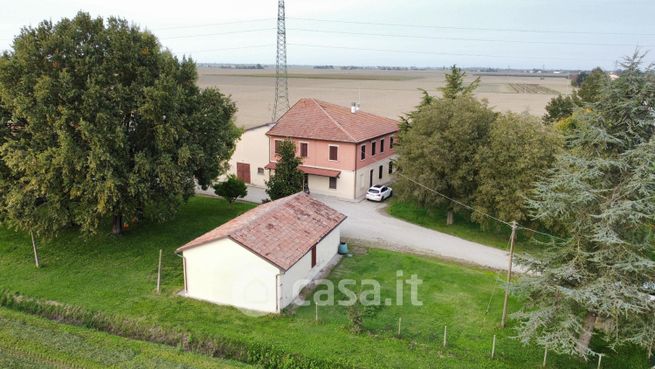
column 232, row 189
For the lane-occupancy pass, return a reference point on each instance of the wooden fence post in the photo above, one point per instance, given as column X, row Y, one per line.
column 399, row 320
column 493, row 347
column 445, row 335
column 159, row 273
column 36, row 254
column 545, row 356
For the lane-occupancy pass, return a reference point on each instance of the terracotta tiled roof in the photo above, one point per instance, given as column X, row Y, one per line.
column 315, row 119
column 310, row 170
column 281, row 231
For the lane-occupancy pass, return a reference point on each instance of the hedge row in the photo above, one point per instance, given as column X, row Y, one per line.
column 264, row 355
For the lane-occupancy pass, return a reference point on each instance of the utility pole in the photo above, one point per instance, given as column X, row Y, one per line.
column 509, row 273
column 281, row 104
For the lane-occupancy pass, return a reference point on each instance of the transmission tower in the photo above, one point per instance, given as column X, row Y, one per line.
column 281, row 89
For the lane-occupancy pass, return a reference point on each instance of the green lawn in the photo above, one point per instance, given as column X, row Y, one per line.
column 30, row 342
column 118, row 275
column 463, row 227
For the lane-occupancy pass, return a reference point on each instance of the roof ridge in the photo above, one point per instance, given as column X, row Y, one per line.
column 358, row 111
column 333, row 120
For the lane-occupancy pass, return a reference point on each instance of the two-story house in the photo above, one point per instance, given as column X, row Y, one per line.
column 344, row 150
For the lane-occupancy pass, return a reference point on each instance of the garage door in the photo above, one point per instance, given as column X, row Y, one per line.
column 243, row 172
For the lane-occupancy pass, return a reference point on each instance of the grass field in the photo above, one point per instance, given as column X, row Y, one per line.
column 31, row 342
column 463, row 227
column 387, row 93
column 117, row 276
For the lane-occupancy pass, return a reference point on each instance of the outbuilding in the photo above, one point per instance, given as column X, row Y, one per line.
column 261, row 260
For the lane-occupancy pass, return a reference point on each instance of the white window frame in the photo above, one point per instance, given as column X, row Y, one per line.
column 374, row 145
column 275, row 141
column 329, row 150
column 300, row 143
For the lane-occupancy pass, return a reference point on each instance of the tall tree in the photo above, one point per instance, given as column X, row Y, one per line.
column 105, row 124
column 287, row 179
column 519, row 150
column 593, row 85
column 439, row 150
column 599, row 197
column 455, row 85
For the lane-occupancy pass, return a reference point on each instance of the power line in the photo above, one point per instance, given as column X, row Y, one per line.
column 214, row 24
column 219, row 33
column 521, row 30
column 225, row 49
column 461, row 38
column 509, row 224
column 455, row 201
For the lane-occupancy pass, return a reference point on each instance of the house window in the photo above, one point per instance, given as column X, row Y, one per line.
column 334, row 153
column 390, row 167
column 380, row 169
column 373, row 147
column 260, row 171
column 382, row 145
column 303, row 149
column 333, row 183
column 277, row 146
column 391, row 142
column 363, row 155
column 314, row 256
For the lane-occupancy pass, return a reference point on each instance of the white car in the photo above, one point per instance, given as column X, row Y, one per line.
column 378, row 193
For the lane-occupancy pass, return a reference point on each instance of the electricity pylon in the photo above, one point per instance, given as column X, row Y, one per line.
column 281, row 104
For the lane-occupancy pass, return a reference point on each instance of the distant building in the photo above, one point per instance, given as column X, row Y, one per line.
column 344, row 150
column 263, row 258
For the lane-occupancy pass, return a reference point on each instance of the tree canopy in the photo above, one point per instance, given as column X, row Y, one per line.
column 287, row 179
column 104, row 123
column 599, row 198
column 519, row 150
column 439, row 150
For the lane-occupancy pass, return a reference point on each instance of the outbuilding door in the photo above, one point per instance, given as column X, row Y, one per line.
column 243, row 172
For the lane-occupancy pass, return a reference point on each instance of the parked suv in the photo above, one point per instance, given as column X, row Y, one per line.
column 378, row 193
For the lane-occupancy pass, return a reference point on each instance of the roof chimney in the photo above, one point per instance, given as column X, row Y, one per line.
column 354, row 108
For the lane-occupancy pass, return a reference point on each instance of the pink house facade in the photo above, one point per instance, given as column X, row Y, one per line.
column 344, row 151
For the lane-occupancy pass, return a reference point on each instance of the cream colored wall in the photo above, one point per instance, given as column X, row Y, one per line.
column 345, row 185
column 252, row 148
column 302, row 270
column 224, row 272
column 363, row 175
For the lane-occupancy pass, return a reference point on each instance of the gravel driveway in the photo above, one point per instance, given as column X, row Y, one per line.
column 369, row 223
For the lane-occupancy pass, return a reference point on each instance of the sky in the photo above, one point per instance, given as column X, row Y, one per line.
column 551, row 34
